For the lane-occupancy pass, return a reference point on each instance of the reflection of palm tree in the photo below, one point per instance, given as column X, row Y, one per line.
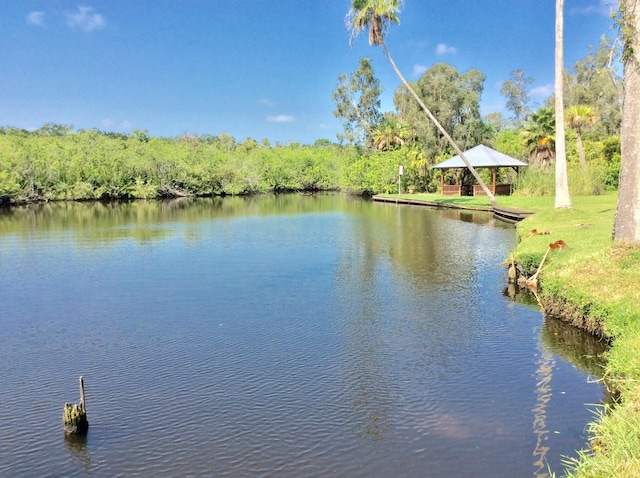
column 377, row 15
column 543, row 392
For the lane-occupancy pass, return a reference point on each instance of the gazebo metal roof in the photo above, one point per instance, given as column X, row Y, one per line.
column 481, row 156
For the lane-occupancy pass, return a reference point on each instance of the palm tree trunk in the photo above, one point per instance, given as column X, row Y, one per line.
column 440, row 128
column 626, row 226
column 563, row 199
column 580, row 146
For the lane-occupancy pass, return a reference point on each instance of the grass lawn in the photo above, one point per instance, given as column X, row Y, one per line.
column 600, row 280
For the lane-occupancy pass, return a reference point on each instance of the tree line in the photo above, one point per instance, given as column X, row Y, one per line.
column 592, row 98
column 57, row 163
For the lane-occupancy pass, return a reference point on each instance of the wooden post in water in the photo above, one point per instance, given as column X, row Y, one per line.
column 74, row 416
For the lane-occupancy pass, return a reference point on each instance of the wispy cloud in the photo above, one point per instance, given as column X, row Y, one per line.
column 443, row 49
column 598, row 7
column 35, row 18
column 418, row 70
column 85, row 19
column 418, row 44
column 110, row 124
column 280, row 119
column 266, row 103
column 543, row 91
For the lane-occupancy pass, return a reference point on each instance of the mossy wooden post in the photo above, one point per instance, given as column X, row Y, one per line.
column 74, row 416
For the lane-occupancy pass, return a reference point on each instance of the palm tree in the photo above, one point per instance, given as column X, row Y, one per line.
column 563, row 199
column 626, row 226
column 389, row 134
column 377, row 15
column 577, row 118
column 539, row 135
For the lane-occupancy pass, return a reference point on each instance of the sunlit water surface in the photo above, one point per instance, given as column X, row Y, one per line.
column 279, row 336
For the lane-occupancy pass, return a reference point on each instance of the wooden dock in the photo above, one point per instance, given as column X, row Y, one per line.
column 508, row 214
column 423, row 202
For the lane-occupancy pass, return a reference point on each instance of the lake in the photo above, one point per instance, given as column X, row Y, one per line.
column 280, row 336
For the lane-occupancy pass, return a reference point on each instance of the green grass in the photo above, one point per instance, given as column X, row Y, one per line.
column 598, row 279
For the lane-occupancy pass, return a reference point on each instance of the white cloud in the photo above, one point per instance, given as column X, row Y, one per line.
column 280, row 119
column 544, row 91
column 35, row 18
column 85, row 19
column 600, row 7
column 266, row 103
column 418, row 70
column 443, row 49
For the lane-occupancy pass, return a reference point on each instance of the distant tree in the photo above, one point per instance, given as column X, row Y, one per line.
column 53, row 129
column 322, row 143
column 626, row 225
column 596, row 83
column 515, row 90
column 377, row 15
column 140, row 135
column 225, row 142
column 357, row 99
column 563, row 198
column 454, row 98
column 579, row 118
column 496, row 121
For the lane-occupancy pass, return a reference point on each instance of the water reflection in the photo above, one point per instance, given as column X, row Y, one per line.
column 76, row 446
column 560, row 339
column 543, row 393
column 582, row 349
column 304, row 336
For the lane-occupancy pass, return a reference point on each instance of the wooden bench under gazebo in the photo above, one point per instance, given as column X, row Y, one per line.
column 480, row 157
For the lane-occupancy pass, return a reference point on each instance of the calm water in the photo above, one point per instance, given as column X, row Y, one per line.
column 286, row 336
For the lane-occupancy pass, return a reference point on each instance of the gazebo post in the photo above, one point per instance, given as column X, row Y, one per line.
column 442, row 182
column 494, row 174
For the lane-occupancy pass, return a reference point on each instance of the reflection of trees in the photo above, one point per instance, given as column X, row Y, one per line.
column 585, row 351
column 397, row 278
column 146, row 221
column 366, row 381
column 582, row 349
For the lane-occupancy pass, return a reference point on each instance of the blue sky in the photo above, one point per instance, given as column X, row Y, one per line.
column 263, row 69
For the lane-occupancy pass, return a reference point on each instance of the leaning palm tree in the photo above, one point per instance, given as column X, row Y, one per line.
column 377, row 15
column 578, row 118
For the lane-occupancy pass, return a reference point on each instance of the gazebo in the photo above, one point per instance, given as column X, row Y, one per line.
column 480, row 156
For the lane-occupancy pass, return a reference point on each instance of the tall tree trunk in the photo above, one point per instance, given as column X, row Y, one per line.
column 580, row 146
column 626, row 226
column 453, row 144
column 563, row 199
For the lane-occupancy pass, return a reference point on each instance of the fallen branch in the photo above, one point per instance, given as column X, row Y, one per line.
column 532, row 282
